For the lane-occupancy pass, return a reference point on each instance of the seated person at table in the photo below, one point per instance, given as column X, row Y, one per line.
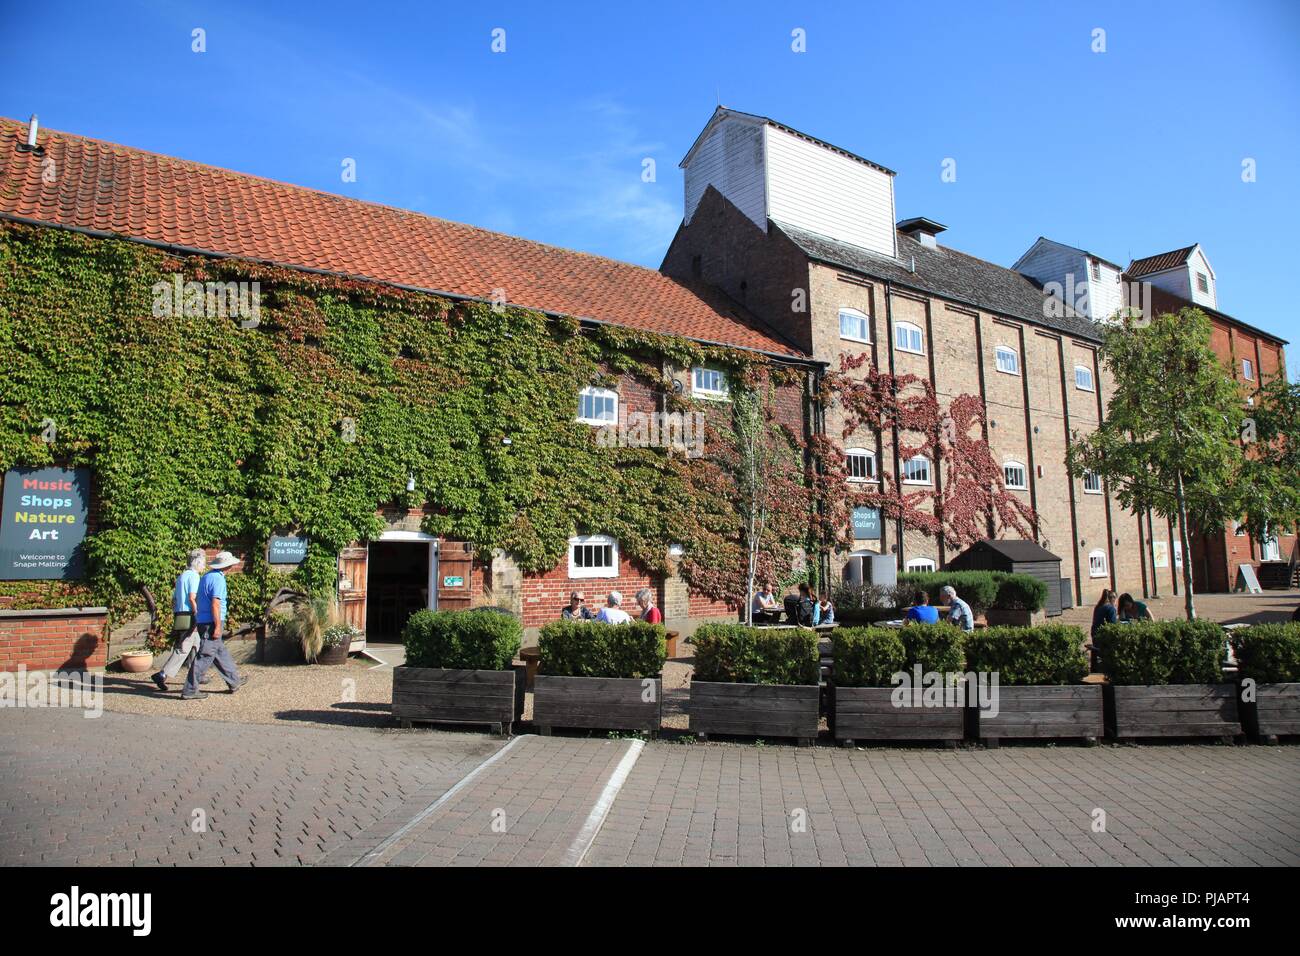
column 765, row 607
column 1133, row 610
column 575, row 610
column 921, row 612
column 825, row 611
column 612, row 613
column 645, row 600
column 805, row 607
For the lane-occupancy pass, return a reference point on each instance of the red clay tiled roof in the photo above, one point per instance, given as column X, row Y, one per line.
column 1158, row 263
column 140, row 195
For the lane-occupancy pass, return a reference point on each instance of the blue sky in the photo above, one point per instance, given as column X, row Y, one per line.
column 1129, row 152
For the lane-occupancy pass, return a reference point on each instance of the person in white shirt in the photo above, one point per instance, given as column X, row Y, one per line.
column 959, row 613
column 612, row 613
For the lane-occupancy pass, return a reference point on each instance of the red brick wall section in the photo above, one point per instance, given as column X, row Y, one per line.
column 44, row 641
column 545, row 595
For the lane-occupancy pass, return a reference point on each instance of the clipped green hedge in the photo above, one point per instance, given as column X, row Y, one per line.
column 472, row 640
column 1024, row 656
column 870, row 656
column 597, row 649
column 736, row 654
column 1268, row 653
column 936, row 647
column 981, row 589
column 1162, row 652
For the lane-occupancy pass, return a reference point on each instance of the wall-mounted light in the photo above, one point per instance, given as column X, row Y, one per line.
column 506, row 441
column 410, row 483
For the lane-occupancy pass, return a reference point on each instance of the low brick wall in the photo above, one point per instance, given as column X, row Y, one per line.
column 60, row 639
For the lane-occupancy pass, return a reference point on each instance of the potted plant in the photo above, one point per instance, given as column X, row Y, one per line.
column 136, row 660
column 600, row 676
column 1040, row 691
column 898, row 684
column 759, row 682
column 336, row 641
column 459, row 670
column 1268, row 666
column 310, row 618
column 1166, row 680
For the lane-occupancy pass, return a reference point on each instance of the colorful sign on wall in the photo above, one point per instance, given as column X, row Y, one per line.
column 43, row 526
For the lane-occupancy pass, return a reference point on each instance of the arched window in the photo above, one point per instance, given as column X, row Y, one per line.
column 908, row 338
column 854, row 325
column 1008, row 359
column 598, row 406
column 921, row 564
column 860, row 464
column 593, row 556
column 1083, row 378
column 916, row 471
column 1097, row 566
column 1015, row 475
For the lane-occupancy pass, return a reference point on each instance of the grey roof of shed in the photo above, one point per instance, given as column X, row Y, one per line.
column 1015, row 549
column 949, row 274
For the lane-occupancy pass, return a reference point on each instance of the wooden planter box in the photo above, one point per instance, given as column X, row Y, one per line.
column 1275, row 713
column 1038, row 712
column 596, row 703
column 868, row 713
column 439, row 695
column 755, row 710
column 1174, row 710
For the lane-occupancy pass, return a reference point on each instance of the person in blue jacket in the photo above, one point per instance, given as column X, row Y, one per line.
column 921, row 612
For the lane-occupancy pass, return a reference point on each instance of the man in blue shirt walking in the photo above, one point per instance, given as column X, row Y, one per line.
column 211, row 618
column 185, row 601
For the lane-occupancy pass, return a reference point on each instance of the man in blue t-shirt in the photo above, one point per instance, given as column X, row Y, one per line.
column 211, row 618
column 185, row 601
column 921, row 612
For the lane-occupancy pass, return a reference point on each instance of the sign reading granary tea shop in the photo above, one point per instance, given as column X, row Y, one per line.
column 286, row 549
column 866, row 524
column 43, row 526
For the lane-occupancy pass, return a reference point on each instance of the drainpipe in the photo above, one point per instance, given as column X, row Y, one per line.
column 898, row 487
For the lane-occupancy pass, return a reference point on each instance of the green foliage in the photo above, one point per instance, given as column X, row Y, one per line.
column 202, row 432
column 1162, row 652
column 455, row 640
column 734, row 653
column 1047, row 654
column 1270, row 479
column 1019, row 592
column 980, row 589
column 597, row 649
column 1268, row 653
column 868, row 656
column 936, row 647
column 336, row 635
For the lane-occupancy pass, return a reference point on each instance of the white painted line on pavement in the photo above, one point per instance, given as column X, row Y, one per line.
column 577, row 851
column 424, row 814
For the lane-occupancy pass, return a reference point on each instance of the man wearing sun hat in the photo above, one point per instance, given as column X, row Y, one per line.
column 210, row 615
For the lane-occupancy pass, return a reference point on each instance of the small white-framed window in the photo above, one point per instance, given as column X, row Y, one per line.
column 1015, row 475
column 1096, row 271
column 916, row 471
column 1083, row 378
column 908, row 338
column 1097, row 566
column 854, row 325
column 921, row 564
column 1240, row 530
column 1248, row 370
column 1202, row 282
column 1091, row 483
column 709, row 383
column 598, row 406
column 860, row 464
column 593, row 556
column 1008, row 359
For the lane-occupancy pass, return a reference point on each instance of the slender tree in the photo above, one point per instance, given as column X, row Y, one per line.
column 1269, row 481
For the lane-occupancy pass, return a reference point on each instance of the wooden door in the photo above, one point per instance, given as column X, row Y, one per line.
column 455, row 564
column 353, row 562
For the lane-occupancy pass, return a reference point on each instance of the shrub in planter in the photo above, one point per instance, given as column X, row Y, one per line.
column 1019, row 592
column 871, row 705
column 600, row 676
column 458, row 669
column 1166, row 679
column 760, row 682
column 1268, row 655
column 1039, row 692
column 335, row 641
column 979, row 589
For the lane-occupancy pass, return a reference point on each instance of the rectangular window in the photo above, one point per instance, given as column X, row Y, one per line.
column 916, row 471
column 1096, row 270
column 1248, row 370
column 854, row 326
column 1097, row 567
column 921, row 564
column 908, row 338
column 1083, row 378
column 593, row 556
column 1092, row 482
column 598, row 406
column 1008, row 360
column 709, row 383
column 861, row 465
column 1202, row 282
column 1013, row 474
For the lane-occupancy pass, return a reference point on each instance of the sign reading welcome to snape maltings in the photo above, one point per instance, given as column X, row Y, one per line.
column 286, row 549
column 43, row 526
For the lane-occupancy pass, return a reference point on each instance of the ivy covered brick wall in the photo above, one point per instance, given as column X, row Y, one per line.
column 200, row 431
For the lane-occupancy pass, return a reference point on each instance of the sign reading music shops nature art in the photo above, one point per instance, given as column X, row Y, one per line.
column 43, row 526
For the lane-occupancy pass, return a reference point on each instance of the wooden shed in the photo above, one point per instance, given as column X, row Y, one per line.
column 1016, row 557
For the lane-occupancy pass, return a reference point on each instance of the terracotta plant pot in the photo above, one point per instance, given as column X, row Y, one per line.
column 136, row 662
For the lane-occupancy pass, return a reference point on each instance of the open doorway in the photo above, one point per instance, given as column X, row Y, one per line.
column 398, row 584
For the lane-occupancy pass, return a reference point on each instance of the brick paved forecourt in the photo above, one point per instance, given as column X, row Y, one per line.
column 122, row 790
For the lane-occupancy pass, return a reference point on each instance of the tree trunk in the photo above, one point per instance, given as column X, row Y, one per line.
column 1186, row 543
